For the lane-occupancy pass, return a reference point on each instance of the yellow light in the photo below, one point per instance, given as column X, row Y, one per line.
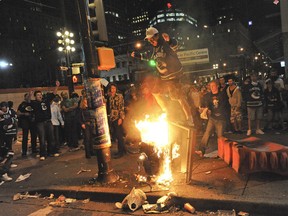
column 73, row 49
column 59, row 34
column 71, row 34
column 60, row 49
column 66, row 33
column 68, row 48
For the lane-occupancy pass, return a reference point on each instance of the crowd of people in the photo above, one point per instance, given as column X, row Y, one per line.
column 57, row 120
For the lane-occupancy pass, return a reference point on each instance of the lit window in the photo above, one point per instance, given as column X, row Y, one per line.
column 220, row 22
column 180, row 19
column 170, row 14
column 160, row 15
column 228, row 30
column 161, row 20
column 179, row 14
column 171, row 19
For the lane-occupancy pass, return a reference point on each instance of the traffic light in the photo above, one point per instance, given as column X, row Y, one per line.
column 152, row 63
column 97, row 20
column 106, row 58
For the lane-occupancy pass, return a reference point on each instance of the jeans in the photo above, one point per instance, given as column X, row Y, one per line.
column 45, row 132
column 212, row 123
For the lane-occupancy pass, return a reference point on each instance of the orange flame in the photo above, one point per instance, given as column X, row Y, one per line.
column 156, row 133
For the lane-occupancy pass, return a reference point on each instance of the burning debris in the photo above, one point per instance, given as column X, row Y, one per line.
column 157, row 152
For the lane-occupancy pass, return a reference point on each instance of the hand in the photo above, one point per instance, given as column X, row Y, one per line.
column 133, row 54
column 57, row 83
column 83, row 126
column 120, row 121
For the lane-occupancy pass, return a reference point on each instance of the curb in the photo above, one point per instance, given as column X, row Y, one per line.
column 200, row 204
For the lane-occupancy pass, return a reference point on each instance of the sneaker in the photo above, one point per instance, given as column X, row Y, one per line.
column 249, row 132
column 5, row 177
column 56, row 155
column 259, row 131
column 42, row 158
column 13, row 165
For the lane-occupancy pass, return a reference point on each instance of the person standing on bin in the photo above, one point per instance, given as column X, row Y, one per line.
column 170, row 71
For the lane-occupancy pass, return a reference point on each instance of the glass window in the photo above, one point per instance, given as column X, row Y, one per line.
column 160, row 15
column 170, row 14
column 170, row 19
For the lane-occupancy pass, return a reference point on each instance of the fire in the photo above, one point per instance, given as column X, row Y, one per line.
column 156, row 133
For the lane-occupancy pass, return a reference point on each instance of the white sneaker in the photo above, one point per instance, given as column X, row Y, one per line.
column 56, row 155
column 249, row 132
column 42, row 158
column 259, row 131
column 5, row 177
column 13, row 165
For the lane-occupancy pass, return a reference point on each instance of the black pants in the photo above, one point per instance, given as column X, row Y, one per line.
column 119, row 135
column 71, row 132
column 56, row 130
column 33, row 134
column 88, row 134
column 5, row 167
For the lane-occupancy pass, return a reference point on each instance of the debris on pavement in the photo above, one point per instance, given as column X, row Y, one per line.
column 50, row 197
column 208, row 172
column 189, row 208
column 19, row 196
column 86, row 201
column 134, row 200
column 70, row 200
column 241, row 213
column 23, row 177
column 2, row 182
column 224, row 213
column 163, row 204
column 83, row 170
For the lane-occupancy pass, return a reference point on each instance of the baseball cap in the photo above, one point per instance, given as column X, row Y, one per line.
column 150, row 32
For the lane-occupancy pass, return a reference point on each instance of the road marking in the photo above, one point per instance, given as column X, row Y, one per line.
column 44, row 211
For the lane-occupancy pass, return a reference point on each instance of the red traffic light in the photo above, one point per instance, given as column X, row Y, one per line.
column 169, row 5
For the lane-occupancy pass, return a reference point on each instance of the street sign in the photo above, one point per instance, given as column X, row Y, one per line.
column 62, row 68
column 198, row 56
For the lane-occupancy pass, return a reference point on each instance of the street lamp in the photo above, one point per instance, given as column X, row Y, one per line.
column 66, row 42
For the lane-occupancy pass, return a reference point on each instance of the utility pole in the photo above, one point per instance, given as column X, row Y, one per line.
column 284, row 21
column 101, row 136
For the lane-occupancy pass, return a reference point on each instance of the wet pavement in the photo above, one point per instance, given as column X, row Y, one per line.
column 214, row 185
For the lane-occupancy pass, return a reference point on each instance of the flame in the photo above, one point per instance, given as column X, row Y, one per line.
column 156, row 133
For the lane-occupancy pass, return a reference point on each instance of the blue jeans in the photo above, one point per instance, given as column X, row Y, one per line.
column 45, row 132
column 212, row 123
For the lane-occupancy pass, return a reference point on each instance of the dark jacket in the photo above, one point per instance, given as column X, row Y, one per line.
column 253, row 95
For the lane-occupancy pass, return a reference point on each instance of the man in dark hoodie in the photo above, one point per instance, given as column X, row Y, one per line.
column 253, row 96
column 170, row 71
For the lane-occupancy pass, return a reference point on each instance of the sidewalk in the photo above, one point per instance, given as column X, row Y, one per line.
column 214, row 184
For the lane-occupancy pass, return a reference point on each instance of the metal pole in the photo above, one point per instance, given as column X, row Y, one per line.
column 284, row 21
column 69, row 74
column 101, row 136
